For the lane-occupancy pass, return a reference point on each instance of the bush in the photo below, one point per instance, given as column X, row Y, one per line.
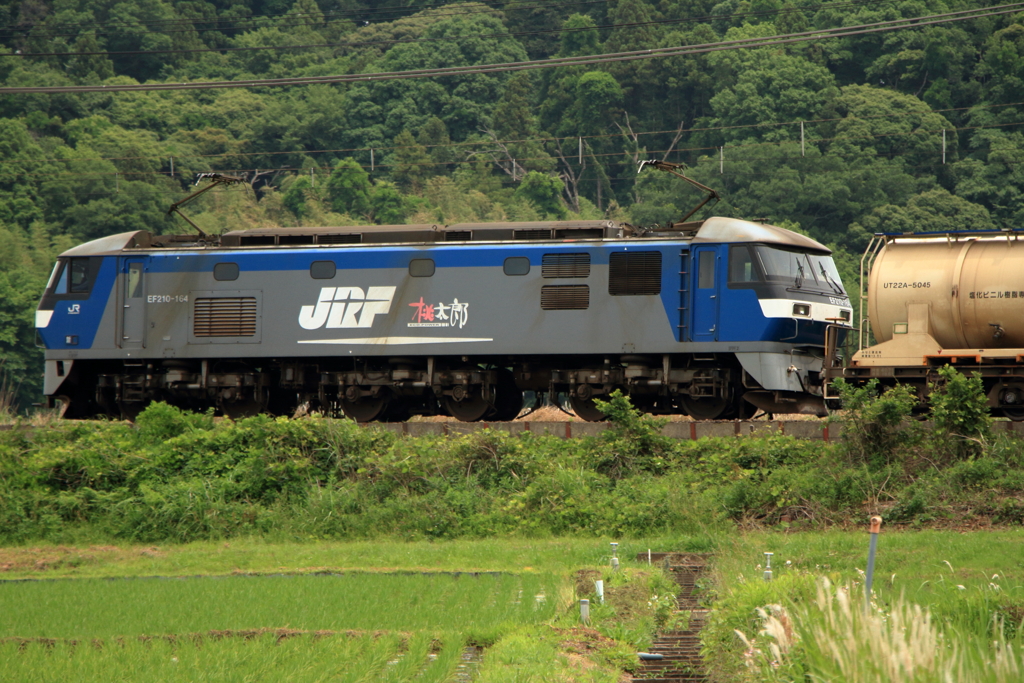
column 876, row 430
column 960, row 414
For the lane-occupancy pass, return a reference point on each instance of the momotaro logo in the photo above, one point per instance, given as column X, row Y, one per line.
column 346, row 307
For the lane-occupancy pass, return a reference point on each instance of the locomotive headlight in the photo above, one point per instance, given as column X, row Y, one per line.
column 845, row 315
column 802, row 310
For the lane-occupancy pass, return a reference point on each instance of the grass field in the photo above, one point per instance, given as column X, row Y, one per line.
column 380, row 614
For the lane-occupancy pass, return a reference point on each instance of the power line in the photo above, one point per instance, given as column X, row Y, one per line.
column 594, row 155
column 371, row 43
column 599, row 136
column 768, row 41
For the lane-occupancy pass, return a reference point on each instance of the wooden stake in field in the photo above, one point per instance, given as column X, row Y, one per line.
column 874, row 529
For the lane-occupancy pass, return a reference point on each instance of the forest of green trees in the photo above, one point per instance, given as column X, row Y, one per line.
column 915, row 129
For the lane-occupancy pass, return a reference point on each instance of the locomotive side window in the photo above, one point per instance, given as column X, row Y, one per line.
column 517, row 265
column 79, row 276
column 133, row 283
column 741, row 265
column 225, row 271
column 706, row 270
column 421, row 267
column 322, row 270
column 73, row 276
column 634, row 273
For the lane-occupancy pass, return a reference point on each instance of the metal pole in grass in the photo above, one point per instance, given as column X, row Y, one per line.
column 585, row 611
column 615, row 556
column 874, row 529
column 768, row 566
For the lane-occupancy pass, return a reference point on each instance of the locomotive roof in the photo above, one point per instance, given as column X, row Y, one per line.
column 713, row 230
column 720, row 229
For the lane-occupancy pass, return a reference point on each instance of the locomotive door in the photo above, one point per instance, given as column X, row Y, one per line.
column 133, row 303
column 705, row 309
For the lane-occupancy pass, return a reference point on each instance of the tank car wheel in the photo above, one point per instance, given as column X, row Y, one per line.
column 585, row 409
column 365, row 408
column 1014, row 414
column 704, row 408
column 509, row 402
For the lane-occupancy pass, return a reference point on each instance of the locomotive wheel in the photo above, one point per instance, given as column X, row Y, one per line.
column 509, row 402
column 586, row 410
column 704, row 408
column 472, row 408
column 365, row 408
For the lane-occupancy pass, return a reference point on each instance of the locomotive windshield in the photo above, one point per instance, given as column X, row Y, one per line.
column 796, row 269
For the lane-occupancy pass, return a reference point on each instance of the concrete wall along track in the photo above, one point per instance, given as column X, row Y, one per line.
column 810, row 430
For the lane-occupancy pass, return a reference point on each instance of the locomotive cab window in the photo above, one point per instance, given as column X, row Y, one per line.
column 322, row 270
column 421, row 267
column 225, row 271
column 517, row 265
column 799, row 269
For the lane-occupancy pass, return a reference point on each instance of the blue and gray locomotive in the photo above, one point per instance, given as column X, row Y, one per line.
column 712, row 318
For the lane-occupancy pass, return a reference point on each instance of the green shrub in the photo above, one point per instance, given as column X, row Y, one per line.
column 960, row 414
column 876, row 429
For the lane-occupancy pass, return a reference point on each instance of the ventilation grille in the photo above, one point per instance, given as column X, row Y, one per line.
column 458, row 236
column 564, row 297
column 339, row 239
column 531, row 234
column 578, row 234
column 565, row 265
column 230, row 316
column 635, row 273
column 256, row 240
column 295, row 239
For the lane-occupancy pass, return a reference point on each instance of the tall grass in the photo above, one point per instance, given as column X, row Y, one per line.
column 839, row 638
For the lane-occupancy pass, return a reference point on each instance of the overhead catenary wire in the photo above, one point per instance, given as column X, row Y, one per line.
column 745, row 43
column 402, row 41
column 717, row 149
column 598, row 136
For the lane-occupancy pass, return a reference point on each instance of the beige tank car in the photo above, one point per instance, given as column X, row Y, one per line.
column 951, row 299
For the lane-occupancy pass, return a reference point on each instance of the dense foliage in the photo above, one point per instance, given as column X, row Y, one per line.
column 873, row 110
column 178, row 476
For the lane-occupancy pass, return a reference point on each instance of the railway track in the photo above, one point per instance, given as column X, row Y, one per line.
column 679, row 650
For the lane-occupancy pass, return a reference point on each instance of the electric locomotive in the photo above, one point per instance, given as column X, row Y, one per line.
column 712, row 318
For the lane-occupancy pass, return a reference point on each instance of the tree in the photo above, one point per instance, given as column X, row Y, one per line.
column 349, row 188
column 410, row 163
column 544, row 192
column 933, row 211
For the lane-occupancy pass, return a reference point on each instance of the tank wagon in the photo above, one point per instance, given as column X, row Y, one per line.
column 710, row 318
column 935, row 299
